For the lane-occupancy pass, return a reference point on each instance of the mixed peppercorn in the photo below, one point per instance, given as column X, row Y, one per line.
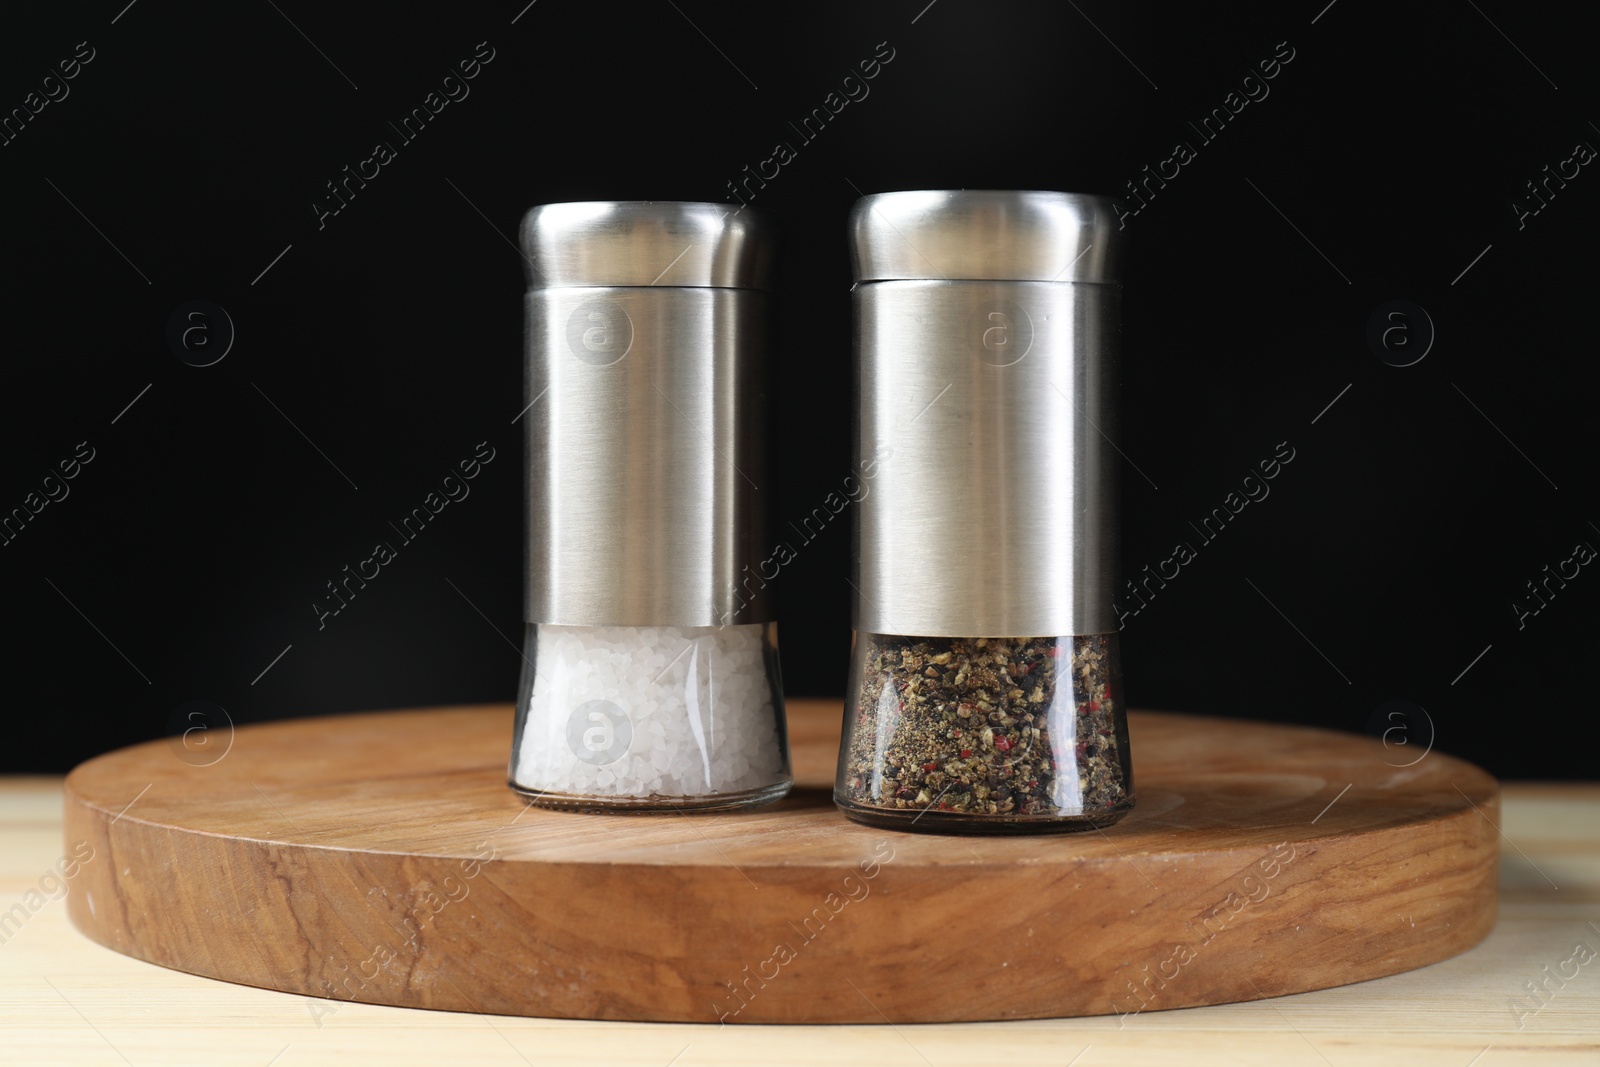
column 1006, row 727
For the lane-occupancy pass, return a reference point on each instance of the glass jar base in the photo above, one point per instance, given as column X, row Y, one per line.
column 934, row 821
column 980, row 735
column 601, row 805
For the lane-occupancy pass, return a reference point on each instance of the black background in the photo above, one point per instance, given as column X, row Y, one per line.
column 379, row 349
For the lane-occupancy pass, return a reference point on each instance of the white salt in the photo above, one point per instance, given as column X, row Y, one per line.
column 649, row 711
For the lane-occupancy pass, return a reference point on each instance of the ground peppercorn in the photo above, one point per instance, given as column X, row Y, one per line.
column 985, row 734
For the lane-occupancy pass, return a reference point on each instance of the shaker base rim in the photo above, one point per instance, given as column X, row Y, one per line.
column 600, row 805
column 934, row 821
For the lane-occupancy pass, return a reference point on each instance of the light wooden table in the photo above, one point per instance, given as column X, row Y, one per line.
column 65, row 1000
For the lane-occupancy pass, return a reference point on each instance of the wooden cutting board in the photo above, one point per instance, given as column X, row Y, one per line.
column 381, row 858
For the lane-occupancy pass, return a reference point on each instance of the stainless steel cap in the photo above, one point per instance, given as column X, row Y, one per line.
column 609, row 242
column 647, row 342
column 985, row 234
column 987, row 342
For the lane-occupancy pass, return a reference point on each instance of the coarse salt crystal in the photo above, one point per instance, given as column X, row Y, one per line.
column 636, row 712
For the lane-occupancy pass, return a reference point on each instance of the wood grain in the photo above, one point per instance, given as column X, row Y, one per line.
column 381, row 858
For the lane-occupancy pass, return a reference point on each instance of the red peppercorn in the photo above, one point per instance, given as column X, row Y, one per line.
column 931, row 766
column 1003, row 744
column 1094, row 705
column 966, row 753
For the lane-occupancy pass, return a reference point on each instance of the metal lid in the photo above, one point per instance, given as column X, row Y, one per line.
column 985, row 235
column 646, row 242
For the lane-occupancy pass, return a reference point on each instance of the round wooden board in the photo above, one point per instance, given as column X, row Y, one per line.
column 381, row 858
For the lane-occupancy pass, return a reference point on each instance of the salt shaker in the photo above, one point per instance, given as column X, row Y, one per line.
column 651, row 679
column 985, row 690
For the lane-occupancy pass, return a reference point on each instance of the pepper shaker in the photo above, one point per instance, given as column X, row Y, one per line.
column 651, row 678
column 985, row 690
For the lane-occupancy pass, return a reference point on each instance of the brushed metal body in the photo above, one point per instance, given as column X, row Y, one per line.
column 644, row 504
column 645, row 430
column 989, row 407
